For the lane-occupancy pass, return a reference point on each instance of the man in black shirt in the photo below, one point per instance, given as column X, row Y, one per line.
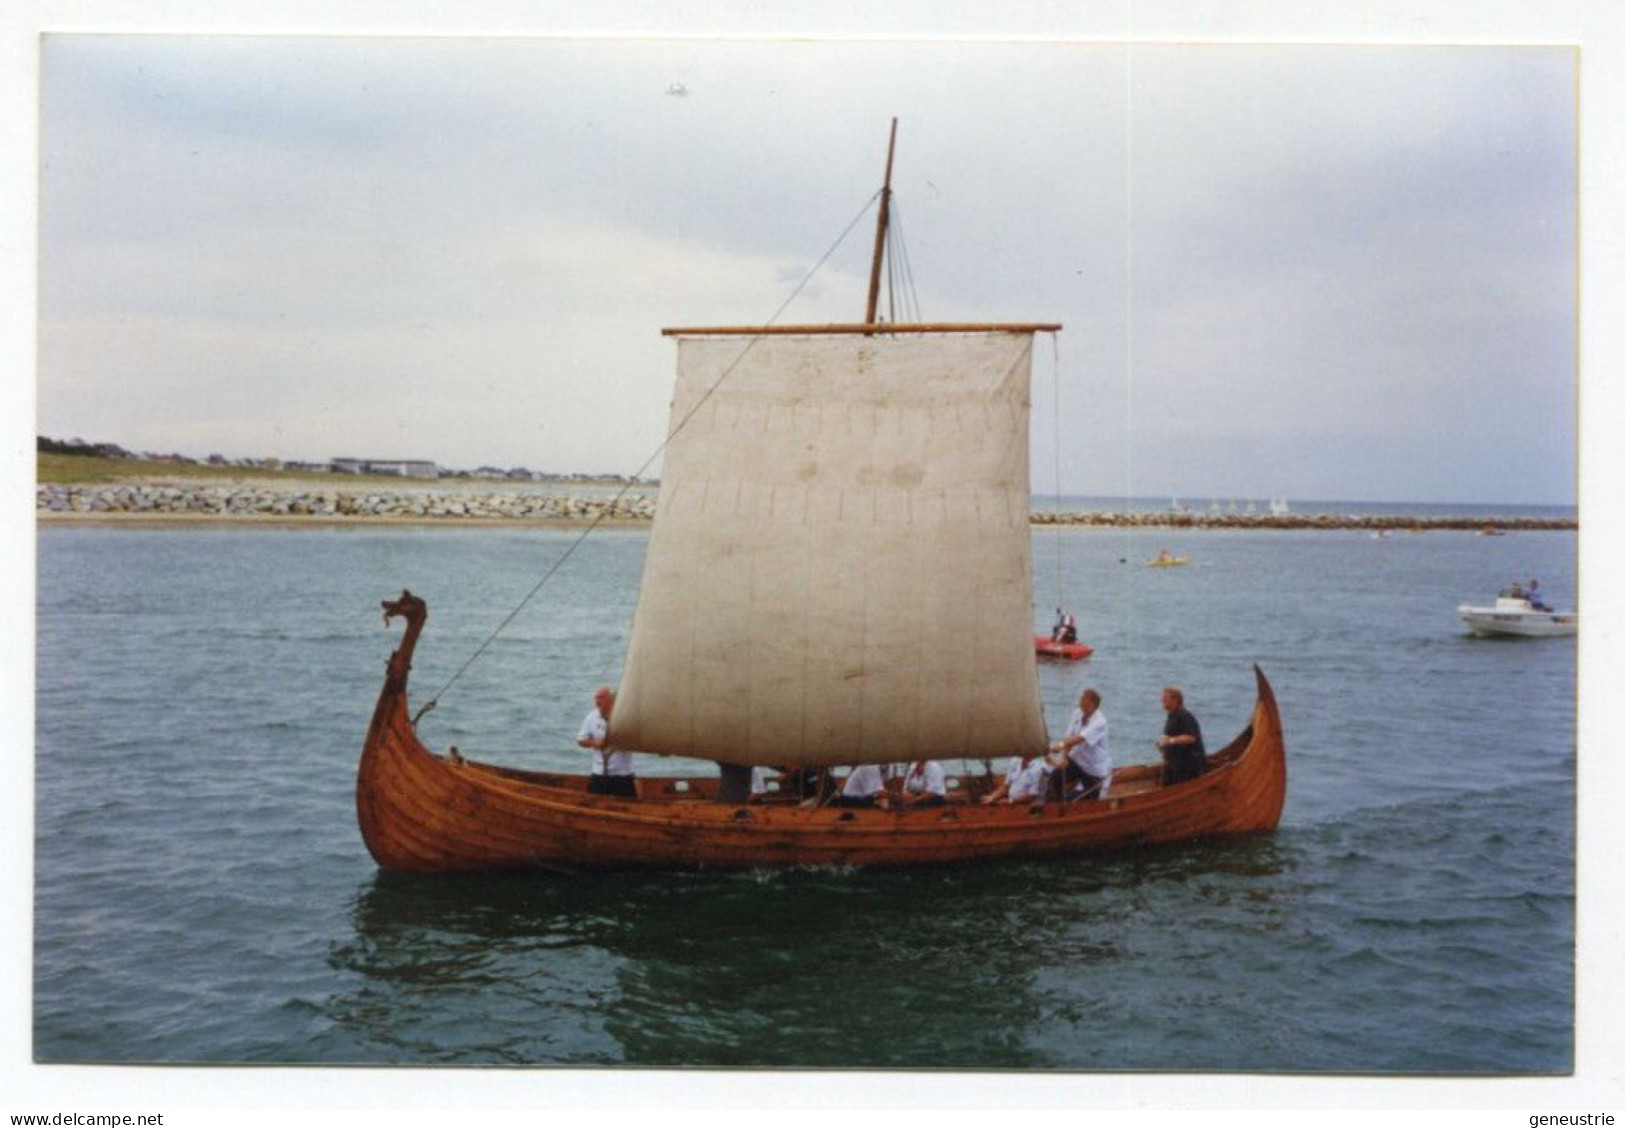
column 1183, row 756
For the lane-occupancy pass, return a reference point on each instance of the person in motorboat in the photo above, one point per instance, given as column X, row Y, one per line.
column 1025, row 780
column 1183, row 755
column 1515, row 590
column 865, row 787
column 1085, row 768
column 1069, row 629
column 611, row 767
column 925, row 785
column 1536, row 600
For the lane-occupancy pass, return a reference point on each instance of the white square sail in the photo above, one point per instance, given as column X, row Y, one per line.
column 839, row 570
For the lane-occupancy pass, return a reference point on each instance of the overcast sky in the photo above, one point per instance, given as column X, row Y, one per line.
column 1311, row 271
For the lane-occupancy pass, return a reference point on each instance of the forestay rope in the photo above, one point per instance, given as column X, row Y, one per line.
column 1055, row 399
column 638, row 473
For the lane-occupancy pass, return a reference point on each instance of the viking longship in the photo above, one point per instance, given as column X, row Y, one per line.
column 838, row 573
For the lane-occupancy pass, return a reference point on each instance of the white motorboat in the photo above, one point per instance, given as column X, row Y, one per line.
column 1513, row 614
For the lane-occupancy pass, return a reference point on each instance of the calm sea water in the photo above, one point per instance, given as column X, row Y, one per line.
column 203, row 895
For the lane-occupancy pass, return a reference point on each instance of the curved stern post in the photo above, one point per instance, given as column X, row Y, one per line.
column 1267, row 772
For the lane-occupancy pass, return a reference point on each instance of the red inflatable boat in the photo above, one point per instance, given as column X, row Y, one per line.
column 1046, row 647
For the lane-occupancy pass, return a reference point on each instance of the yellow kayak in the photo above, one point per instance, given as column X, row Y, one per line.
column 1170, row 562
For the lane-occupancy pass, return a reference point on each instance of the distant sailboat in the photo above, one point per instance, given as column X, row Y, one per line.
column 838, row 573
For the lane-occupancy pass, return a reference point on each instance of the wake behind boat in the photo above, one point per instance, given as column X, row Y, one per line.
column 865, row 488
column 1515, row 615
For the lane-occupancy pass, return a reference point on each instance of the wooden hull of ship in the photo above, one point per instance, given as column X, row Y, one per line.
column 421, row 812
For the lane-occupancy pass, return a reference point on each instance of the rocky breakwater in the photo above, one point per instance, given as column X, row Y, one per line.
column 1294, row 521
column 182, row 501
column 258, row 501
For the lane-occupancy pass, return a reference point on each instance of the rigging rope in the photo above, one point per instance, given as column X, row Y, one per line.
column 638, row 473
column 908, row 276
column 901, row 267
column 1055, row 380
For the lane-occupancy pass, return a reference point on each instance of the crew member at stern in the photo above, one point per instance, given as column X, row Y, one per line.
column 1183, row 755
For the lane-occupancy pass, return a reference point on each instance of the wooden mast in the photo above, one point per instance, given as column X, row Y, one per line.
column 880, row 231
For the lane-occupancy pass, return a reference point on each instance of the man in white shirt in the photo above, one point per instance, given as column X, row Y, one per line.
column 1088, row 761
column 925, row 785
column 1023, row 780
column 611, row 767
column 865, row 787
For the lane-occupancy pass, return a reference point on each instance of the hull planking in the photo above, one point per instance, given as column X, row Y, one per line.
column 421, row 812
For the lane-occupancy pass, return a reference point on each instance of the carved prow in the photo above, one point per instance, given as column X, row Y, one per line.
column 414, row 611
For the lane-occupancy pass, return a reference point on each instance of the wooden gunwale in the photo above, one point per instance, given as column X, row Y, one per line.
column 424, row 813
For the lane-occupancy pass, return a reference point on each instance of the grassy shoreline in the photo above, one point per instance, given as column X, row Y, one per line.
column 86, row 470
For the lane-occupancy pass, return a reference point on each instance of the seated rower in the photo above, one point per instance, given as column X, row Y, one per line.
column 925, row 785
column 865, row 787
column 1024, row 781
column 807, row 785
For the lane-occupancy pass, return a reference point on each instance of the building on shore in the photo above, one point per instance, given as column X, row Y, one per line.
column 400, row 467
